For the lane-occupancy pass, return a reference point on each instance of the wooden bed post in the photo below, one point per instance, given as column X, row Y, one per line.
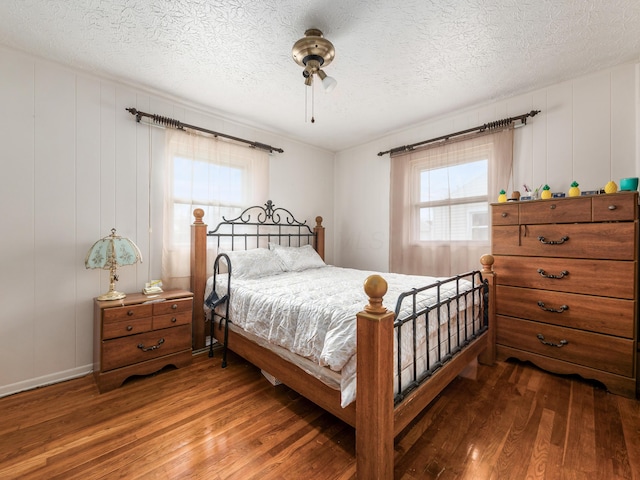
column 488, row 357
column 374, row 398
column 198, row 277
column 319, row 231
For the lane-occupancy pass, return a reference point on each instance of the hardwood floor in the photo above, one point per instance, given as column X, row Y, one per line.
column 508, row 421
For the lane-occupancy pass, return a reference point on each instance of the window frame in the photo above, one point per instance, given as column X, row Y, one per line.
column 473, row 156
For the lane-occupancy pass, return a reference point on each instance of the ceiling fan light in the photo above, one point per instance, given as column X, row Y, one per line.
column 328, row 83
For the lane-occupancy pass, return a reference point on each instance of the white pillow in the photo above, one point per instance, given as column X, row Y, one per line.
column 296, row 259
column 254, row 263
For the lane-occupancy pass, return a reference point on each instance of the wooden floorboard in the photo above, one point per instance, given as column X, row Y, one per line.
column 510, row 421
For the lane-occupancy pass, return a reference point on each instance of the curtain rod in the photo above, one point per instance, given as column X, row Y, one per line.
column 487, row 126
column 177, row 124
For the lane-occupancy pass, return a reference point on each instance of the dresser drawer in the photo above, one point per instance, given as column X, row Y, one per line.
column 620, row 207
column 611, row 316
column 608, row 278
column 560, row 210
column 125, row 351
column 610, row 241
column 131, row 312
column 504, row 214
column 171, row 320
column 126, row 327
column 602, row 352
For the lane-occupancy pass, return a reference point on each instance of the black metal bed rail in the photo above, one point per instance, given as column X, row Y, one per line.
column 462, row 301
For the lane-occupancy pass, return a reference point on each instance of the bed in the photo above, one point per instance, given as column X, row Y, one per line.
column 404, row 357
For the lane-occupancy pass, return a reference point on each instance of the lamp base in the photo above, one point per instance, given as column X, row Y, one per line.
column 112, row 295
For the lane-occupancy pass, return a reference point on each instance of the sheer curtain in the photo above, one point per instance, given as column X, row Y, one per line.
column 439, row 218
column 214, row 174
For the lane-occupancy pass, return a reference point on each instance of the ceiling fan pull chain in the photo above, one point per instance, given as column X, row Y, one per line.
column 313, row 102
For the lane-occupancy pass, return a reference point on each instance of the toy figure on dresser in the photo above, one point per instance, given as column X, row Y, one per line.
column 611, row 187
column 546, row 192
column 574, row 191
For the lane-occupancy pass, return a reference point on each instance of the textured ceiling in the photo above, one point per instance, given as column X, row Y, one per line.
column 397, row 62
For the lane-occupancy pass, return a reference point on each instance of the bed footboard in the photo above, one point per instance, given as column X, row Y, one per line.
column 378, row 420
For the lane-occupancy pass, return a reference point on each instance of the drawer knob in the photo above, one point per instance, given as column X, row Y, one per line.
column 544, row 274
column 612, row 207
column 174, row 320
column 552, row 310
column 174, row 306
column 130, row 313
column 553, row 242
column 552, row 206
column 551, row 344
column 129, row 328
column 504, row 214
column 152, row 347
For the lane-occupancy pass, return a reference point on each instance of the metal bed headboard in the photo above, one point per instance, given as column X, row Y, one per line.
column 258, row 225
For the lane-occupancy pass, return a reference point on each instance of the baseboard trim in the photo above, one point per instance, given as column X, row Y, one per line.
column 45, row 380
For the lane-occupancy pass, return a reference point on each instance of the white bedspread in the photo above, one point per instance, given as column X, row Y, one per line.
column 313, row 313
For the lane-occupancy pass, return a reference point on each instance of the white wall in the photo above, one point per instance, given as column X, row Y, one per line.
column 587, row 131
column 75, row 164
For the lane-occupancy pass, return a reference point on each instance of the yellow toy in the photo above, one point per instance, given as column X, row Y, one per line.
column 574, row 191
column 503, row 196
column 611, row 187
column 546, row 192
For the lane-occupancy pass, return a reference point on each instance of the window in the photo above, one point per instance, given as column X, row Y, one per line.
column 452, row 203
column 439, row 208
column 218, row 189
column 220, row 177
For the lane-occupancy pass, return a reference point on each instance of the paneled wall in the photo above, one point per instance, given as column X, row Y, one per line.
column 588, row 131
column 75, row 164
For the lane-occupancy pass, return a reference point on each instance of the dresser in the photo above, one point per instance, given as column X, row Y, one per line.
column 567, row 286
column 141, row 334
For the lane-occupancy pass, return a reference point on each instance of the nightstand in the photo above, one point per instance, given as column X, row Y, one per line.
column 140, row 334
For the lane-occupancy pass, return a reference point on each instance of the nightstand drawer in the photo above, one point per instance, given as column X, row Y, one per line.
column 602, row 352
column 126, row 327
column 131, row 312
column 125, row 351
column 171, row 320
column 172, row 306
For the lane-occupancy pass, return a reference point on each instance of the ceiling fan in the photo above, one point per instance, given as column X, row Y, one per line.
column 313, row 52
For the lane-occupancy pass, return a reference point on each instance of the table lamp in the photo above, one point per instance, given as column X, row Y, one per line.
column 109, row 253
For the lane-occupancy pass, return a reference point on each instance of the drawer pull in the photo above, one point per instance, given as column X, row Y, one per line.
column 129, row 328
column 153, row 347
column 551, row 344
column 553, row 242
column 174, row 306
column 612, row 207
column 504, row 214
column 544, row 274
column 130, row 313
column 553, row 310
column 174, row 320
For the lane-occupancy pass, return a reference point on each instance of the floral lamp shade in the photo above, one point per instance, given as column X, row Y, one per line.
column 111, row 252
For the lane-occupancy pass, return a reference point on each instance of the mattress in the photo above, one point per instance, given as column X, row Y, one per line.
column 309, row 317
